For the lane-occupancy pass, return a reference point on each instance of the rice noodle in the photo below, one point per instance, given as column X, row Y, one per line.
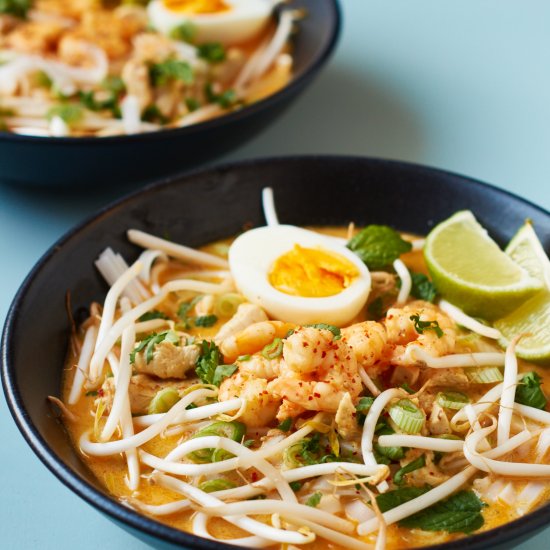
column 406, row 282
column 370, row 425
column 252, row 526
column 481, row 359
column 147, row 258
column 268, row 204
column 83, row 365
column 508, row 393
column 421, row 442
column 458, row 316
column 174, row 250
column 122, row 445
column 200, row 528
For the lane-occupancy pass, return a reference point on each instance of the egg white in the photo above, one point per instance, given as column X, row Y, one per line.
column 246, row 20
column 252, row 255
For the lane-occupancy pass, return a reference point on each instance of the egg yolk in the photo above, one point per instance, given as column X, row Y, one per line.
column 311, row 273
column 196, row 6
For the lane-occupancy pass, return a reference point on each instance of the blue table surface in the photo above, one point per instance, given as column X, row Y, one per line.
column 458, row 85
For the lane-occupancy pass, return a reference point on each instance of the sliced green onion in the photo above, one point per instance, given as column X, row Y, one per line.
column 216, row 485
column 420, row 462
column 163, row 401
column 226, row 305
column 484, row 375
column 232, row 430
column 452, row 400
column 291, row 454
column 314, row 499
column 407, row 416
column 206, row 321
column 285, row 425
column 273, row 350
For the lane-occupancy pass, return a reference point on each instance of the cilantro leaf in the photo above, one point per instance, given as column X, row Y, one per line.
column 213, row 52
column 378, row 246
column 170, row 70
column 392, row 499
column 153, row 314
column 222, row 372
column 422, row 288
column 460, row 513
column 185, row 32
column 362, row 408
column 68, row 112
column 285, row 425
column 529, row 391
column 421, row 326
column 226, row 99
column 149, row 342
column 337, row 334
column 206, row 321
column 19, row 8
column 420, row 462
column 314, row 499
column 209, row 367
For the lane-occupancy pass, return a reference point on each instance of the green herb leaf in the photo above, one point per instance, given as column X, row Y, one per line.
column 149, row 343
column 18, row 8
column 295, row 486
column 170, row 70
column 392, row 499
column 314, row 499
column 152, row 113
column 222, row 372
column 213, row 52
column 243, row 358
column 529, row 391
column 337, row 333
column 92, row 393
column 185, row 308
column 192, row 104
column 285, row 425
column 420, row 462
column 421, row 326
column 362, row 408
column 378, row 246
column 460, row 513
column 153, row 314
column 185, row 32
column 376, row 308
column 68, row 112
column 226, row 99
column 207, row 362
column 248, row 442
column 206, row 321
column 422, row 288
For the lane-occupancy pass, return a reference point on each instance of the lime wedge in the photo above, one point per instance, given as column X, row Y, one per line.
column 533, row 317
column 469, row 269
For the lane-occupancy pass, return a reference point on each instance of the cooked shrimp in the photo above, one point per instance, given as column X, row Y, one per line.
column 317, row 371
column 253, row 338
column 261, row 406
column 260, row 367
column 402, row 333
column 368, row 342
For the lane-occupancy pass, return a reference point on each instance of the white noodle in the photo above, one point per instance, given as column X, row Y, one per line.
column 122, row 445
column 406, row 282
column 370, row 425
column 131, row 114
column 200, row 528
column 153, row 324
column 268, row 204
column 147, row 258
column 178, row 251
column 481, row 359
column 508, row 393
column 248, row 524
column 368, row 383
column 58, row 127
column 83, row 364
column 458, row 316
column 421, row 442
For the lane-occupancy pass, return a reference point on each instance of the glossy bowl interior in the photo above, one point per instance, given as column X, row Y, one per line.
column 108, row 161
column 195, row 210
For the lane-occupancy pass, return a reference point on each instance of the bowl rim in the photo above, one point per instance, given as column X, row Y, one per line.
column 314, row 66
column 142, row 523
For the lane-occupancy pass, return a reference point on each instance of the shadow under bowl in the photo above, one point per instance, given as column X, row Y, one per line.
column 200, row 208
column 117, row 160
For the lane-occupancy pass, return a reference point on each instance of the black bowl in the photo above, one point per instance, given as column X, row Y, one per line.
column 78, row 162
column 194, row 210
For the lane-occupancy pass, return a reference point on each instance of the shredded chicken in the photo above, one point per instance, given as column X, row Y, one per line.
column 346, row 418
column 169, row 361
column 247, row 314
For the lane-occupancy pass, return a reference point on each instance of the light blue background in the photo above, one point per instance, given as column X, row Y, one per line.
column 461, row 85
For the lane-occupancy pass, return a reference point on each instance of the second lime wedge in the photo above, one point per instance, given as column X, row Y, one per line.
column 471, row 271
column 532, row 319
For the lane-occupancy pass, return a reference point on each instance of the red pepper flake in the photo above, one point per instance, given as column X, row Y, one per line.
column 324, row 354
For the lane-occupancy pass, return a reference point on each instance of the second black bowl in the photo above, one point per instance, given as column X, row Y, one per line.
column 111, row 161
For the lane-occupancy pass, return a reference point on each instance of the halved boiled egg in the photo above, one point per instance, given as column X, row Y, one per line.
column 298, row 275
column 226, row 21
